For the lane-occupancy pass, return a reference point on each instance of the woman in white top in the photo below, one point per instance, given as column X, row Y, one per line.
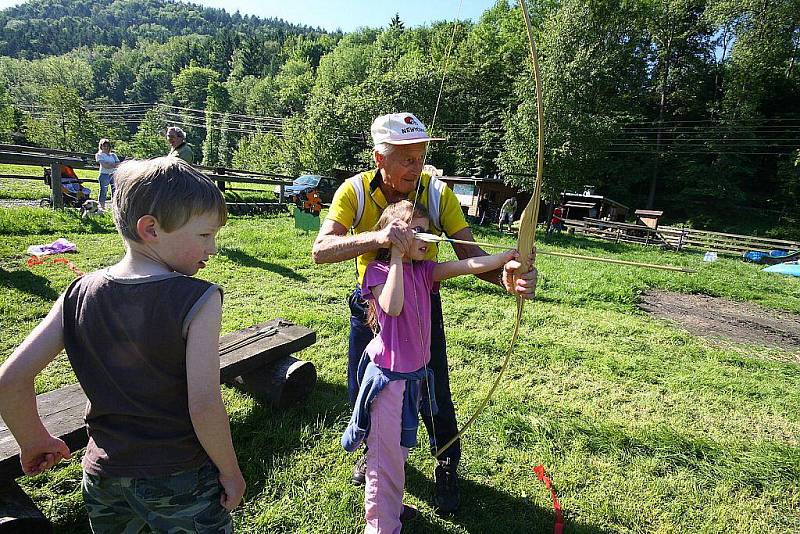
column 108, row 164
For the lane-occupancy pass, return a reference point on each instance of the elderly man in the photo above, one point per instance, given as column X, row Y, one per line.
column 400, row 142
column 180, row 148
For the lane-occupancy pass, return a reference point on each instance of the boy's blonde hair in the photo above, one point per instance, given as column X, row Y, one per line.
column 167, row 188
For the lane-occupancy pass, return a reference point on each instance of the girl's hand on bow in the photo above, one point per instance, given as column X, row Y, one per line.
column 518, row 283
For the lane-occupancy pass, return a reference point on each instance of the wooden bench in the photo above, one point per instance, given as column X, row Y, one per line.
column 256, row 360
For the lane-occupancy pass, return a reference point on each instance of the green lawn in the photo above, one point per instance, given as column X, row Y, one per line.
column 642, row 426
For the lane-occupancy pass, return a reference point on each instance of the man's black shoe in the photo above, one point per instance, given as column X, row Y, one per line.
column 360, row 471
column 447, row 497
column 410, row 513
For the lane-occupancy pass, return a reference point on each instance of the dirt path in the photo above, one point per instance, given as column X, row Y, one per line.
column 719, row 318
column 15, row 203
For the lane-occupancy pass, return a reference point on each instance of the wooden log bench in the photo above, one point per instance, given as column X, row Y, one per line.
column 257, row 360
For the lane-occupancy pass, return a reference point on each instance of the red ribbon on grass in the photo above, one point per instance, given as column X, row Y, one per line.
column 35, row 260
column 558, row 528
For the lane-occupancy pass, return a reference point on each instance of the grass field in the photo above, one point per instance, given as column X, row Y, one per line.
column 642, row 426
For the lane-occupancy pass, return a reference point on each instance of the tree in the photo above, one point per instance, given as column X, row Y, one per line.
column 680, row 48
column 396, row 23
column 66, row 124
column 593, row 67
column 215, row 152
column 149, row 140
column 262, row 152
column 294, row 83
column 6, row 116
column 191, row 86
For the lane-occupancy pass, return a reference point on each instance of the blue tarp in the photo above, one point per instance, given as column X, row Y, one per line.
column 791, row 268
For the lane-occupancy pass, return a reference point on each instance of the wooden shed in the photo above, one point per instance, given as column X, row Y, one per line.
column 581, row 205
column 648, row 218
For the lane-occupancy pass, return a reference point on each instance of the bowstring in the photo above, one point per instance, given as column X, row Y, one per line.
column 445, row 61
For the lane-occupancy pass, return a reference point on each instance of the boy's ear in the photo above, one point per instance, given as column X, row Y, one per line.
column 147, row 229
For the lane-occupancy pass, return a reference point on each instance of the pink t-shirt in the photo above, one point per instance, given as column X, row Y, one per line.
column 404, row 342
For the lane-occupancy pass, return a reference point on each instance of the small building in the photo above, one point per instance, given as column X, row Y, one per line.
column 587, row 204
column 648, row 218
column 470, row 189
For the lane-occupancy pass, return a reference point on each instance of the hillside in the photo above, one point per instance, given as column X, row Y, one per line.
column 45, row 27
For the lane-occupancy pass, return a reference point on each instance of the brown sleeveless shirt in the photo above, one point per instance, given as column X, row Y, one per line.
column 126, row 341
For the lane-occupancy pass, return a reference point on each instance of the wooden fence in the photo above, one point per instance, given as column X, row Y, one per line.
column 677, row 238
column 55, row 159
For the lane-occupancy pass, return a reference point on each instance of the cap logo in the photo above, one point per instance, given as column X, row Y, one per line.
column 409, row 120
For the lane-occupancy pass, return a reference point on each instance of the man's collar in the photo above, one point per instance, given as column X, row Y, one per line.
column 376, row 181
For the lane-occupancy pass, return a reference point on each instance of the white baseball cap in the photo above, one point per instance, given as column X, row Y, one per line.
column 400, row 129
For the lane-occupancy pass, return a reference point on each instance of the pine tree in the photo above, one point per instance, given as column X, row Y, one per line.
column 396, row 23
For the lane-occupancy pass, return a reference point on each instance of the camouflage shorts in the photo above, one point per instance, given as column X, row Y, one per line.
column 182, row 502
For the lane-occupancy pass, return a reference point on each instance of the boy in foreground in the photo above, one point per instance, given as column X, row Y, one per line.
column 143, row 339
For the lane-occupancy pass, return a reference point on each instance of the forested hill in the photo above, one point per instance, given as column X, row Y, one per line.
column 692, row 108
column 53, row 27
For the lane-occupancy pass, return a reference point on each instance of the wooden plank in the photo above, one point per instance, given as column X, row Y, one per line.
column 241, row 352
column 288, row 339
column 227, row 170
column 37, row 177
column 56, row 196
column 697, row 233
column 41, row 161
column 46, row 151
column 18, row 513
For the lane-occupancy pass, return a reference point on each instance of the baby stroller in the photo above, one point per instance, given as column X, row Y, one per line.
column 72, row 190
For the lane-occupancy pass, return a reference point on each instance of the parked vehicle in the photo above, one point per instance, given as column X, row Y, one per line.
column 325, row 186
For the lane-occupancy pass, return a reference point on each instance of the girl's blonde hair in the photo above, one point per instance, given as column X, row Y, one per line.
column 102, row 142
column 405, row 211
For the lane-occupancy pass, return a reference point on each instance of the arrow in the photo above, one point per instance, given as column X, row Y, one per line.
column 431, row 238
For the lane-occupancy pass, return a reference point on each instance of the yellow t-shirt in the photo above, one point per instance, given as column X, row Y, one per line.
column 344, row 208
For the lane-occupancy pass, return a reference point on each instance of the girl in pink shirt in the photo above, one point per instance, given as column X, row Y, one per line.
column 397, row 286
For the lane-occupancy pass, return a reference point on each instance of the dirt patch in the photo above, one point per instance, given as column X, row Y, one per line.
column 714, row 317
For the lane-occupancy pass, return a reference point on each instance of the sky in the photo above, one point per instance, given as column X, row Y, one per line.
column 348, row 15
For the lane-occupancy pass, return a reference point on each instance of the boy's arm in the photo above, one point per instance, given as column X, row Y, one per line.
column 38, row 449
column 480, row 264
column 390, row 296
column 209, row 419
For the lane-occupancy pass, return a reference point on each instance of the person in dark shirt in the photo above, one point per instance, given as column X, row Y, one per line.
column 180, row 148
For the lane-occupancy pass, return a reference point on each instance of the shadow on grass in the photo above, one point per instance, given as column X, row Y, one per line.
column 266, row 439
column 283, row 433
column 244, row 259
column 486, row 509
column 28, row 282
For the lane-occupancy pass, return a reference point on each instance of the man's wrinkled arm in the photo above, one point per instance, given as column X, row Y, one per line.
column 334, row 245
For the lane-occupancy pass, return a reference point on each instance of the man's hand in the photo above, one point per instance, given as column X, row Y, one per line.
column 398, row 252
column 232, row 490
column 396, row 233
column 524, row 284
column 41, row 456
